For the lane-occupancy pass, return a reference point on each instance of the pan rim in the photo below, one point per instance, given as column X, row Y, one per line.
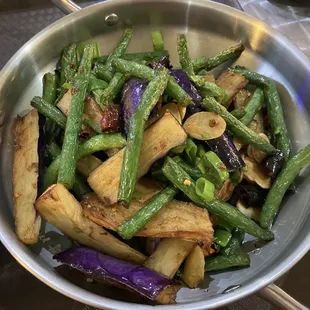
column 20, row 252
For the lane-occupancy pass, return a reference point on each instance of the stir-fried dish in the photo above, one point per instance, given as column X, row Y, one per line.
column 126, row 147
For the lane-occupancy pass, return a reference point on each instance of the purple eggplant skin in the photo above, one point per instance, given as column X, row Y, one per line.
column 274, row 163
column 94, row 264
column 227, row 152
column 131, row 97
column 183, row 80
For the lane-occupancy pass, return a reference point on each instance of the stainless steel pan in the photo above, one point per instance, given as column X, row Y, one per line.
column 210, row 28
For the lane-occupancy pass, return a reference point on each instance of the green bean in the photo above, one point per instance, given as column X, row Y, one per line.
column 179, row 178
column 221, row 262
column 281, row 184
column 137, row 57
column 276, row 120
column 129, row 228
column 118, row 52
column 158, row 41
column 253, row 106
column 184, row 58
column 144, row 72
column 94, row 126
column 80, row 187
column 194, row 172
column 69, row 64
column 238, row 113
column 205, row 87
column 53, row 150
column 253, row 77
column 234, row 245
column 86, row 60
column 49, row 111
column 74, row 122
column 50, row 83
column 114, row 87
column 130, row 163
column 94, row 144
column 95, row 83
column 236, row 127
column 212, row 62
column 81, row 46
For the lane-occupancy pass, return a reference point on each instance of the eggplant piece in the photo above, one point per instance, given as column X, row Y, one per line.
column 87, row 164
column 151, row 245
column 226, row 191
column 194, row 267
column 169, row 255
column 131, row 96
column 164, row 61
column 250, row 194
column 26, row 177
column 111, row 120
column 227, row 152
column 158, row 140
column 131, row 276
column 176, row 219
column 183, row 80
column 59, row 207
column 274, row 163
column 232, row 83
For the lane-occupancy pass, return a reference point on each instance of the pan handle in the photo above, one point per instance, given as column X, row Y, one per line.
column 67, row 6
column 279, row 298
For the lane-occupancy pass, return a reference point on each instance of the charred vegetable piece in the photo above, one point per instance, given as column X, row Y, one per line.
column 253, row 106
column 281, row 184
column 59, row 207
column 169, row 255
column 227, row 152
column 205, row 189
column 69, row 64
column 250, row 212
column 25, row 177
column 204, row 126
column 111, row 120
column 221, row 262
column 94, row 144
column 158, row 41
column 231, row 83
column 250, row 194
column 131, row 98
column 236, row 127
column 146, row 73
column 178, row 177
column 193, row 271
column 131, row 276
column 132, row 152
column 147, row 57
column 274, row 163
column 276, row 120
column 177, row 219
column 114, row 87
column 108, row 71
column 212, row 62
column 214, row 169
column 129, row 228
column 49, row 111
column 158, row 140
